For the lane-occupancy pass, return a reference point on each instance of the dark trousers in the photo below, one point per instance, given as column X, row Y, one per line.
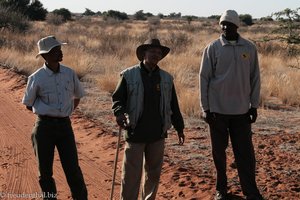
column 49, row 133
column 238, row 128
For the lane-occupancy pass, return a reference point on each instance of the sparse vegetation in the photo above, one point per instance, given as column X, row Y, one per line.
column 99, row 49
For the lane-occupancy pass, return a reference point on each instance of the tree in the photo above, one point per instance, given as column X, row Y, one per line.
column 214, row 17
column 88, row 12
column 288, row 24
column 175, row 15
column 289, row 31
column 19, row 6
column 190, row 18
column 116, row 15
column 140, row 15
column 65, row 13
column 247, row 19
column 160, row 15
column 32, row 9
column 13, row 21
column 36, row 11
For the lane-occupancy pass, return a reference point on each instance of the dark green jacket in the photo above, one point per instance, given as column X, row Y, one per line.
column 149, row 127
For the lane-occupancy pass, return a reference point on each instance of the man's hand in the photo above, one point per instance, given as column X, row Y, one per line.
column 29, row 108
column 208, row 117
column 252, row 114
column 181, row 138
column 122, row 121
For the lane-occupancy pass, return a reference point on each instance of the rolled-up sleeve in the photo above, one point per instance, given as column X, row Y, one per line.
column 30, row 92
column 78, row 88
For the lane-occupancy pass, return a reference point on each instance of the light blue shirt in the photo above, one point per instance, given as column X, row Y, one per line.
column 53, row 94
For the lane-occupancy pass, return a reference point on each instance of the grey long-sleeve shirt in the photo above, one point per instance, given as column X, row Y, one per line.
column 229, row 77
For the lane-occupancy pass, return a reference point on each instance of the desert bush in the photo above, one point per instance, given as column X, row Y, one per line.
column 88, row 12
column 65, row 13
column 33, row 10
column 54, row 19
column 116, row 15
column 140, row 15
column 178, row 41
column 13, row 21
column 247, row 19
column 36, row 11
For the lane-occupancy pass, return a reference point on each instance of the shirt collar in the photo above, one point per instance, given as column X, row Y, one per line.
column 50, row 72
column 146, row 70
column 240, row 41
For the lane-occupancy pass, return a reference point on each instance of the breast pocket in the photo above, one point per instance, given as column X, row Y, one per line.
column 48, row 96
column 69, row 88
column 132, row 89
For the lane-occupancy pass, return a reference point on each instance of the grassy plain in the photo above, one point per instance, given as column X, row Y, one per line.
column 98, row 50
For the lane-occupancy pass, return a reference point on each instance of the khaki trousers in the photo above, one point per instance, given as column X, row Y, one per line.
column 139, row 156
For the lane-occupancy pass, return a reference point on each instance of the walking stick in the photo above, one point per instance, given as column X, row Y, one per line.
column 115, row 164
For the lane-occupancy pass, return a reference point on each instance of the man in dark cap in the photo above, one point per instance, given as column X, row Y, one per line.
column 145, row 104
column 230, row 90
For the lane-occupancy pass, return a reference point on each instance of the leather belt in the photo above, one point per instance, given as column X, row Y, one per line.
column 46, row 117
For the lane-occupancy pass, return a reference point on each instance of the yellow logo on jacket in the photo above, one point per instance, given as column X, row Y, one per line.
column 245, row 56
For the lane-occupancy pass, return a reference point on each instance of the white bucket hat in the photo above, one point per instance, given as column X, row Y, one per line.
column 47, row 43
column 230, row 16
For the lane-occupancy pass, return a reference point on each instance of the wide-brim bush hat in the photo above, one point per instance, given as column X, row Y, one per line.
column 230, row 16
column 150, row 43
column 47, row 43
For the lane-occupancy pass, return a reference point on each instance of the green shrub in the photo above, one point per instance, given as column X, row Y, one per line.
column 247, row 19
column 55, row 19
column 32, row 9
column 13, row 21
column 65, row 13
column 116, row 15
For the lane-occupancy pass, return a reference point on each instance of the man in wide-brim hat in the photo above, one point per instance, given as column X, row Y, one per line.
column 145, row 104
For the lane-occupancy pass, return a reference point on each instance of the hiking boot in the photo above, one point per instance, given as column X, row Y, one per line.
column 220, row 196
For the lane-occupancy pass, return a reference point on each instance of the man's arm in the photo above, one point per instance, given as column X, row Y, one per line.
column 176, row 117
column 119, row 98
column 76, row 103
column 205, row 75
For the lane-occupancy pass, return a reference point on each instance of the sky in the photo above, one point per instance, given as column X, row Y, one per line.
column 200, row 8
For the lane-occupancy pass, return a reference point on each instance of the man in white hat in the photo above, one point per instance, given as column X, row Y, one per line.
column 52, row 93
column 230, row 90
column 146, row 94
